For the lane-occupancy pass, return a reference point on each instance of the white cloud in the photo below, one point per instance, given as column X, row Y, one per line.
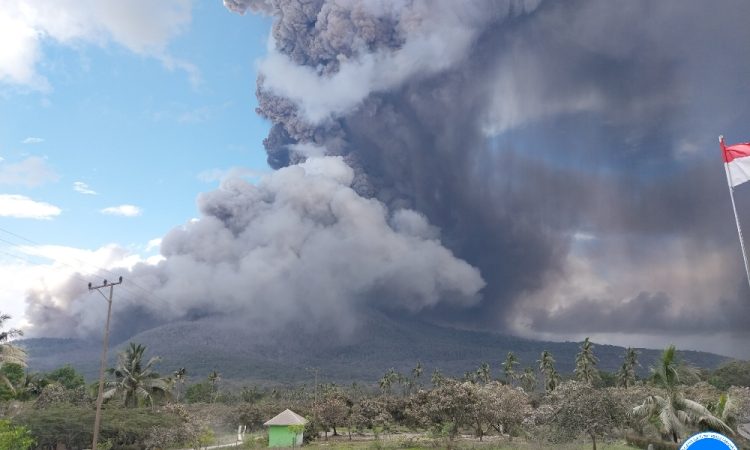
column 31, row 172
column 143, row 26
column 153, row 244
column 83, row 188
column 123, row 210
column 22, row 207
column 32, row 140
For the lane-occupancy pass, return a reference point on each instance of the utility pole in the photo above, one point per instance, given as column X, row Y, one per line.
column 100, row 396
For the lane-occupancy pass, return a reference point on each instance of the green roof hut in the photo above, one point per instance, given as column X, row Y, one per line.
column 284, row 430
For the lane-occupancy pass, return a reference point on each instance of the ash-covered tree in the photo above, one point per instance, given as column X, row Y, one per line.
column 509, row 368
column 627, row 374
column 180, row 377
column 582, row 409
column 672, row 412
column 585, row 370
column 484, row 373
column 547, row 368
column 332, row 409
column 446, row 409
column 500, row 407
column 528, row 380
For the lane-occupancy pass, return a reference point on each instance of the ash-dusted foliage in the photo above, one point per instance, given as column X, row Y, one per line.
column 580, row 409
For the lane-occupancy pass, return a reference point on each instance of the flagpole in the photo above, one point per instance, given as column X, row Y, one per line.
column 734, row 208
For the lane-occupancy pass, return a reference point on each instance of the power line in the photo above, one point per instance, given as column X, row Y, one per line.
column 148, row 294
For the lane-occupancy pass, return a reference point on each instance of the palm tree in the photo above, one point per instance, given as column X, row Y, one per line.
column 484, row 373
column 673, row 412
column 134, row 381
column 9, row 353
column 547, row 367
column 585, row 370
column 390, row 377
column 214, row 378
column 180, row 376
column 626, row 374
column 528, row 380
column 416, row 373
column 509, row 367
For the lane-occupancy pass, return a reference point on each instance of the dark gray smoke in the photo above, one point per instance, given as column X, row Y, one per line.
column 566, row 149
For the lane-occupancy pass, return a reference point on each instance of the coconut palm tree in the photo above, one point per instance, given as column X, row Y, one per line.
column 484, row 373
column 547, row 368
column 180, row 376
column 528, row 380
column 509, row 367
column 214, row 378
column 9, row 353
column 585, row 370
column 673, row 412
column 135, row 381
column 626, row 374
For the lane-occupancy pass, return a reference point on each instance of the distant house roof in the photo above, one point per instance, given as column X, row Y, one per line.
column 288, row 417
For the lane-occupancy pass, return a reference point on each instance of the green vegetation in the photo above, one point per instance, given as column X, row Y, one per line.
column 14, row 437
column 135, row 382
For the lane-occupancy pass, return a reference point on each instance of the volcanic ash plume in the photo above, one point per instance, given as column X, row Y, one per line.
column 299, row 245
column 558, row 146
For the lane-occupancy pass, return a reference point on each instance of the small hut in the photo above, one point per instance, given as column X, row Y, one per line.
column 284, row 430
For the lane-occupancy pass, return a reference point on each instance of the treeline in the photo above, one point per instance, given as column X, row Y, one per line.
column 146, row 409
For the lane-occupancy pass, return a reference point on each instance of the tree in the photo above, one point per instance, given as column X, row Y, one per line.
column 213, row 379
column 582, row 409
column 528, row 380
column 547, row 368
column 388, row 379
column 67, row 377
column 134, row 381
column 509, row 367
column 14, row 437
column 484, row 373
column 13, row 376
column 626, row 375
column 9, row 353
column 501, row 407
column 672, row 412
column 180, row 377
column 585, row 370
column 332, row 409
column 445, row 409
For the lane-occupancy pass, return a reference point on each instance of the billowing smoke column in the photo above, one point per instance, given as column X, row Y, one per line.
column 566, row 149
column 563, row 153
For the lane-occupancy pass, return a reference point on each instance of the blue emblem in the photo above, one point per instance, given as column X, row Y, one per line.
column 708, row 441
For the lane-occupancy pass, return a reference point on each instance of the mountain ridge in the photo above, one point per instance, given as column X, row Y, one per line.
column 244, row 353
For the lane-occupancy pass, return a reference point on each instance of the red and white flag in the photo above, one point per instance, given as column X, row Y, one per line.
column 737, row 159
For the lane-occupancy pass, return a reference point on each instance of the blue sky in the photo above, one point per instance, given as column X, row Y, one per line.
column 134, row 131
column 115, row 119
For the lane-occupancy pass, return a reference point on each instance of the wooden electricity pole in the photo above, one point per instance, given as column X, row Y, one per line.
column 100, row 396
